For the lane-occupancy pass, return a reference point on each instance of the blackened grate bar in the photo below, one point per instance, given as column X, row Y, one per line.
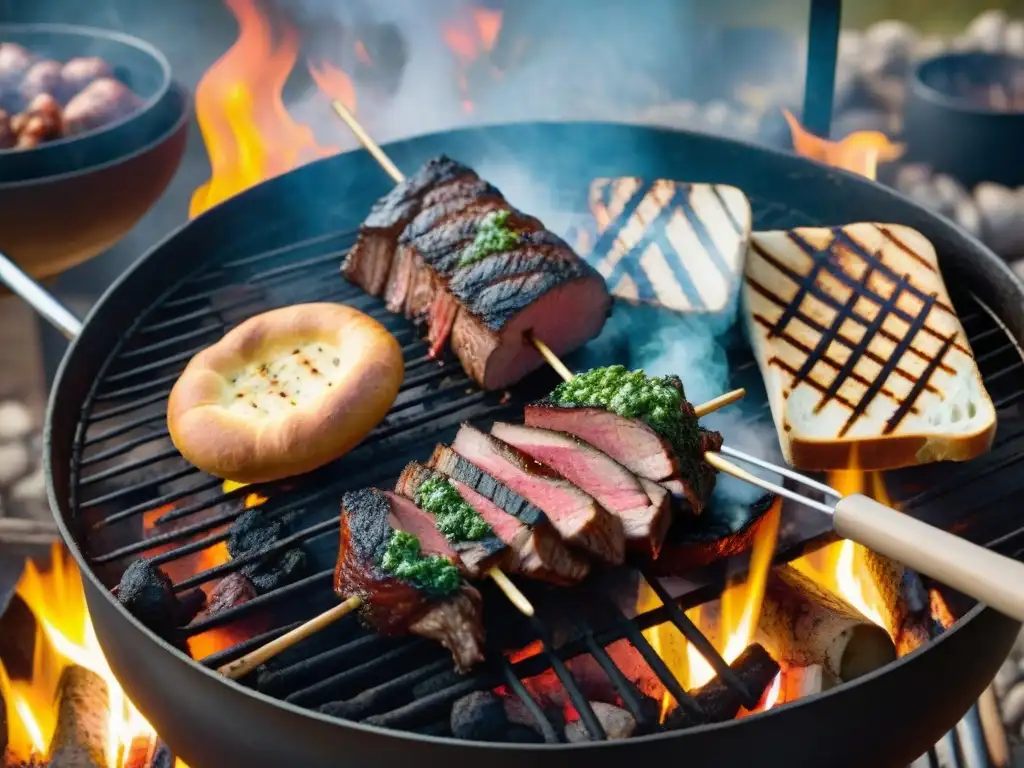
column 127, row 468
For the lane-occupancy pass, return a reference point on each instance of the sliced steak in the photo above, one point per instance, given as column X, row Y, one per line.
column 644, row 521
column 630, row 442
column 537, row 551
column 578, row 518
column 475, row 556
column 394, row 606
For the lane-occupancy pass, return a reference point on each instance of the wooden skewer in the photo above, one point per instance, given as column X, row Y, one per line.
column 368, row 143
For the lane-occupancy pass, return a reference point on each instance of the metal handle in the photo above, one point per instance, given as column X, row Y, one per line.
column 986, row 576
column 37, row 297
column 822, row 55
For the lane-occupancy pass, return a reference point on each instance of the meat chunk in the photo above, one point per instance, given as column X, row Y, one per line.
column 79, row 72
column 477, row 555
column 411, row 250
column 578, row 518
column 644, row 521
column 536, row 549
column 102, row 102
column 42, row 77
column 15, row 61
column 40, row 122
column 446, row 612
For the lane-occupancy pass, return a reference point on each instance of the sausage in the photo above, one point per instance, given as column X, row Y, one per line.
column 14, row 63
column 40, row 122
column 8, row 137
column 42, row 77
column 80, row 72
column 103, row 101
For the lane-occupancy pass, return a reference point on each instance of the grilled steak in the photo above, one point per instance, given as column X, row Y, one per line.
column 411, row 250
column 536, row 550
column 475, row 556
column 395, row 606
column 578, row 518
column 614, row 487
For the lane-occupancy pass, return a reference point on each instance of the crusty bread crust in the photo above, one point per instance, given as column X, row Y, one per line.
column 209, row 417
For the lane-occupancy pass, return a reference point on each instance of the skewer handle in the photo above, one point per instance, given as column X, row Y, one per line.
column 368, row 143
column 721, row 401
column 246, row 664
column 966, row 567
column 517, row 598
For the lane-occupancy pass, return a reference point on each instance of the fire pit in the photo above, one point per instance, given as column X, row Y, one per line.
column 958, row 102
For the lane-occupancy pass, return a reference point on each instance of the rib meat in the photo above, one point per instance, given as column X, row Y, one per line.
column 578, row 518
column 409, row 251
column 393, row 606
column 537, row 551
column 644, row 521
column 475, row 556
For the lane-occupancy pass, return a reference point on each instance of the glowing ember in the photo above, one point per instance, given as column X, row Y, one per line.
column 249, row 135
column 65, row 638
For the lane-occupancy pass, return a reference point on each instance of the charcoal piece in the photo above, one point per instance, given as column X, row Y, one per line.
column 617, row 723
column 148, row 594
column 479, row 716
column 254, row 532
column 521, row 734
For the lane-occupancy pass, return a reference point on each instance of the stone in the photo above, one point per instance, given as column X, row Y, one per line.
column 986, row 31
column 1013, row 707
column 1002, row 215
column 889, row 47
column 967, row 215
column 949, row 189
column 1007, row 675
column 32, row 487
column 617, row 723
column 15, row 420
column 1013, row 37
column 14, row 463
column 929, row 46
column 912, row 175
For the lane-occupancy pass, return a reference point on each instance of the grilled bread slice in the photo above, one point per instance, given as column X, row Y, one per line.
column 670, row 243
column 865, row 361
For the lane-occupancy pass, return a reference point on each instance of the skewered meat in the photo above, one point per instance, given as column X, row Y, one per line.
column 578, row 518
column 403, row 586
column 446, row 247
column 39, row 123
column 536, row 549
column 79, row 72
column 644, row 521
column 103, row 101
column 476, row 554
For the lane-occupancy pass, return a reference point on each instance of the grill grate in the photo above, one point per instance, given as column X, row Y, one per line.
column 128, row 475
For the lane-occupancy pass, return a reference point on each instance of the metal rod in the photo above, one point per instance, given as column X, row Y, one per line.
column 828, row 490
column 729, row 468
column 822, row 55
column 37, row 297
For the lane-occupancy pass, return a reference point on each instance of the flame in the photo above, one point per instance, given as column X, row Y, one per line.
column 860, row 152
column 65, row 638
column 470, row 36
column 334, row 83
column 739, row 614
column 250, row 136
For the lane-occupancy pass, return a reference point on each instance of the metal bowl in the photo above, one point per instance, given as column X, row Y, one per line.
column 66, row 201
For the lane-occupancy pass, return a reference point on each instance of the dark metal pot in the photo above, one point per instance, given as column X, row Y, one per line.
column 68, row 200
column 883, row 719
column 958, row 136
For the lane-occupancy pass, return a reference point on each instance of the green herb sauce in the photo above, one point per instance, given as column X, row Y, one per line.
column 454, row 518
column 404, row 559
column 655, row 400
column 492, row 236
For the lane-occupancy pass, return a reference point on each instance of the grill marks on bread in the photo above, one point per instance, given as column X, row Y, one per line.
column 298, row 377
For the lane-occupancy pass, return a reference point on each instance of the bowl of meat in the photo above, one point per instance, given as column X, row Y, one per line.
column 92, row 129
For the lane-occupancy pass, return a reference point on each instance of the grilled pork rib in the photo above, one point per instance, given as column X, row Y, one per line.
column 474, row 556
column 537, row 550
column 644, row 520
column 393, row 606
column 578, row 518
column 409, row 251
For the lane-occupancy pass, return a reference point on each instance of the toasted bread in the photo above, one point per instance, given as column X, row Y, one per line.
column 285, row 392
column 670, row 243
column 864, row 359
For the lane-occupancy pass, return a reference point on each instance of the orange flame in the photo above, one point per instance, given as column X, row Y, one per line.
column 334, row 83
column 250, row 136
column 860, row 152
column 469, row 37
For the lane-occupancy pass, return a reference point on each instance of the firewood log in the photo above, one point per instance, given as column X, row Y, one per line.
column 904, row 602
column 83, row 713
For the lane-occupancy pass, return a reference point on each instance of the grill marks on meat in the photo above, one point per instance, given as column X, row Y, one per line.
column 474, row 556
column 390, row 605
column 535, row 549
column 578, row 518
column 645, row 516
column 409, row 250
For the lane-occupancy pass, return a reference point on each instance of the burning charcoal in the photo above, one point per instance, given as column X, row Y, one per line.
column 83, row 712
column 479, row 716
column 617, row 723
column 256, row 532
column 756, row 670
column 148, row 594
